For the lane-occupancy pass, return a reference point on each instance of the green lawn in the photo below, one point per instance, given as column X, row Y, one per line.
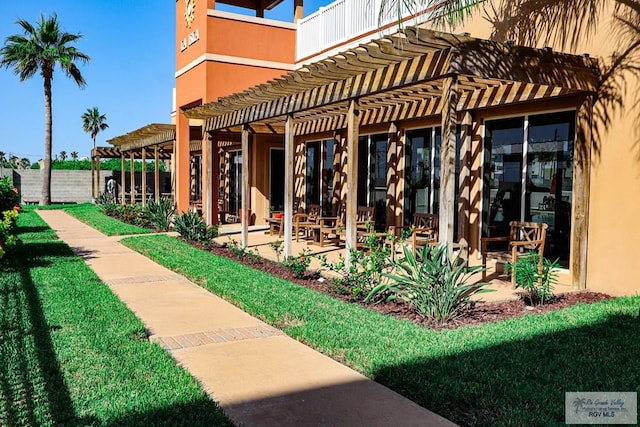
column 92, row 215
column 513, row 372
column 72, row 354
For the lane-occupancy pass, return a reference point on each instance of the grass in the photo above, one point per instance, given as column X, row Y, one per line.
column 513, row 372
column 71, row 353
column 92, row 215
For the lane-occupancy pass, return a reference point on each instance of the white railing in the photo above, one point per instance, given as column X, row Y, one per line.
column 344, row 20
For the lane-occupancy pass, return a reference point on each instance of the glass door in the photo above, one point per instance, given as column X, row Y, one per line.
column 276, row 182
column 504, row 140
column 235, row 181
column 550, row 179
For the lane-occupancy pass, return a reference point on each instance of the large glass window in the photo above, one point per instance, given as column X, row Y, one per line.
column 312, row 175
column 235, row 181
column 372, row 175
column 502, row 174
column 550, row 179
column 276, row 192
column 422, row 172
column 543, row 161
column 319, row 174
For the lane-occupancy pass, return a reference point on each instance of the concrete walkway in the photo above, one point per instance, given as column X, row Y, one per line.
column 257, row 374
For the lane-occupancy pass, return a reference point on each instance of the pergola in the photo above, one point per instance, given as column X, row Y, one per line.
column 156, row 138
column 416, row 73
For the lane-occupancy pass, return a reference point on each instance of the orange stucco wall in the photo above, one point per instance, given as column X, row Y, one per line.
column 250, row 40
column 227, row 56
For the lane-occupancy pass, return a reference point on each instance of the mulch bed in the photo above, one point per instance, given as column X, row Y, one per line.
column 480, row 313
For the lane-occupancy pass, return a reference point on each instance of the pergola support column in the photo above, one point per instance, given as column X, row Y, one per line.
column 244, row 218
column 132, row 176
column 97, row 176
column 448, row 160
column 464, row 184
column 208, row 177
column 289, row 159
column 122, row 179
column 93, row 177
column 144, row 177
column 581, row 185
column 156, row 174
column 353, row 129
column 393, row 190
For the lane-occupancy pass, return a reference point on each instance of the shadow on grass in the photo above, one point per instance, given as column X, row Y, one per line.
column 31, row 381
column 523, row 381
column 32, row 385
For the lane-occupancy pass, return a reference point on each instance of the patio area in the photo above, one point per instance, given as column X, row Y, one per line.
column 259, row 239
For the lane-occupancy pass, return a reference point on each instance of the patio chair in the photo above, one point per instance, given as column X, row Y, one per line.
column 425, row 231
column 305, row 222
column 330, row 229
column 524, row 237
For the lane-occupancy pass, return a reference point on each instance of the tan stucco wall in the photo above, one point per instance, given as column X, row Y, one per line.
column 615, row 179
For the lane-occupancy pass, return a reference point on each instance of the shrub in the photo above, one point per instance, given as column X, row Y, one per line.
column 190, row 226
column 298, row 264
column 365, row 269
column 435, row 285
column 538, row 285
column 131, row 214
column 7, row 230
column 278, row 247
column 9, row 196
column 105, row 199
column 160, row 213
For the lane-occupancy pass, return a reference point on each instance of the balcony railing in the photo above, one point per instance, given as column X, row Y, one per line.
column 345, row 20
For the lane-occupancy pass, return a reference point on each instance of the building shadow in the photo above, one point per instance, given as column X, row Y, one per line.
column 521, row 380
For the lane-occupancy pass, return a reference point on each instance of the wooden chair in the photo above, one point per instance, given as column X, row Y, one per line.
column 365, row 215
column 329, row 229
column 305, row 222
column 425, row 230
column 524, row 237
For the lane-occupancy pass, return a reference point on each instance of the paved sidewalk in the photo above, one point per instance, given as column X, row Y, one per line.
column 258, row 375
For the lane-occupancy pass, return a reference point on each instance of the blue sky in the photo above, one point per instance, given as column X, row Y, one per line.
column 130, row 77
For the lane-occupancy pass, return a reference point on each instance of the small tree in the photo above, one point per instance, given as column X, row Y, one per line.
column 63, row 155
column 93, row 123
column 74, row 155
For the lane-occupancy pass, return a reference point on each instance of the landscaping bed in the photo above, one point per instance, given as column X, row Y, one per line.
column 479, row 313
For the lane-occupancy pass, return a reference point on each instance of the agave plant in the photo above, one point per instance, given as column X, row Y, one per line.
column 160, row 213
column 434, row 283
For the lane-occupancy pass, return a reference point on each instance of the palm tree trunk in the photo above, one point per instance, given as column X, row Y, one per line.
column 46, row 168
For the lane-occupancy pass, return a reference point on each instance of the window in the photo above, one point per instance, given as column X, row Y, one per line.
column 536, row 150
column 372, row 175
column 319, row 174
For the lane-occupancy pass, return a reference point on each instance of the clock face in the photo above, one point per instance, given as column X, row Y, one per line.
column 189, row 11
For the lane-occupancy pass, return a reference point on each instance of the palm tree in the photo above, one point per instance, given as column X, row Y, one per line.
column 93, row 122
column 63, row 155
column 39, row 49
column 74, row 155
column 24, row 163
